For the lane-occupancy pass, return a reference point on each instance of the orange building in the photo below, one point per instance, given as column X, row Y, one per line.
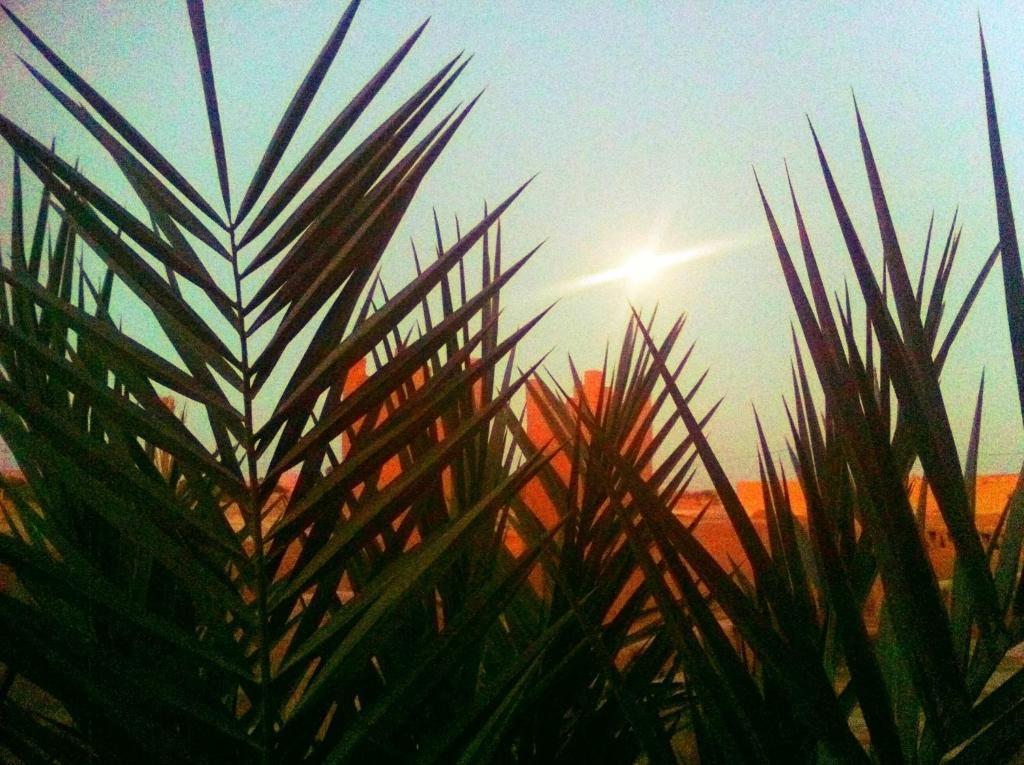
column 593, row 391
column 991, row 496
column 714, row 531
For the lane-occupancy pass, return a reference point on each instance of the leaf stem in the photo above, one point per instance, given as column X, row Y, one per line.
column 251, row 512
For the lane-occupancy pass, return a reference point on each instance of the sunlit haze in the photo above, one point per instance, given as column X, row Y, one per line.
column 644, row 121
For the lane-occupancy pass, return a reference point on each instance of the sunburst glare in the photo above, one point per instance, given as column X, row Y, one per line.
column 645, row 265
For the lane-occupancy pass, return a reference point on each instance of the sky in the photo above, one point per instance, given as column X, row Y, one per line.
column 643, row 120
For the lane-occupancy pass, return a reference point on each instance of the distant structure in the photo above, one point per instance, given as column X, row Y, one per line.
column 715, row 531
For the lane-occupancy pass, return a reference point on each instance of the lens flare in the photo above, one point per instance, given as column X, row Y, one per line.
column 644, row 266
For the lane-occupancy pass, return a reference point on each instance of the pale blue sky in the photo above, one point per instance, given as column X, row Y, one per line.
column 643, row 120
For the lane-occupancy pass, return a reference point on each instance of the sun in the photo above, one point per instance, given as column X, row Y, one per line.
column 642, row 267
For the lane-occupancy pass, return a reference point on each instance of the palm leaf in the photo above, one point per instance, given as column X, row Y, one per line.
column 296, row 111
column 114, row 118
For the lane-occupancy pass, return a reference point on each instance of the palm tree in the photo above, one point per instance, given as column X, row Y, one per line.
column 814, row 676
column 170, row 602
